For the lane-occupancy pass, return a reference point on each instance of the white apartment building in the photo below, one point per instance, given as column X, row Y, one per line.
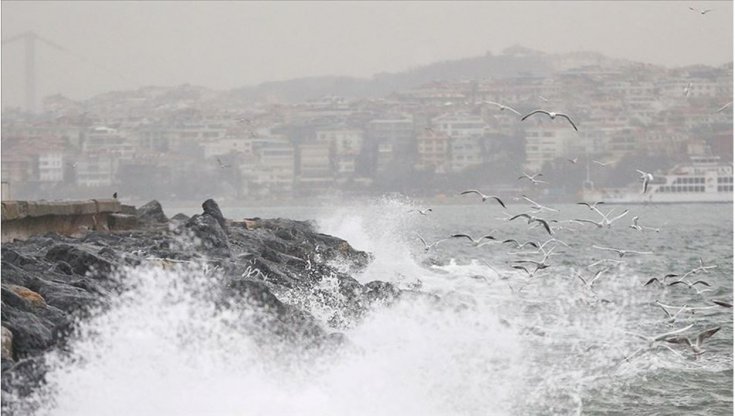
column 51, row 167
column 459, row 125
column 544, row 144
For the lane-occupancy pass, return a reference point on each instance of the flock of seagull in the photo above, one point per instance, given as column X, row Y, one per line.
column 545, row 250
column 605, row 220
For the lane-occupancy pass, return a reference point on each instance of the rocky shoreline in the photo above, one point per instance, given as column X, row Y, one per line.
column 50, row 282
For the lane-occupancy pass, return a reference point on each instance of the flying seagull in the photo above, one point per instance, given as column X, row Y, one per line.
column 534, row 219
column 538, row 207
column 422, row 211
column 646, row 178
column 622, row 252
column 476, row 242
column 702, row 12
column 519, row 245
column 551, row 114
column 532, row 178
column 605, row 221
column 655, row 279
column 695, row 345
column 603, row 164
column 222, row 165
column 483, row 196
column 427, row 246
column 593, row 280
column 689, row 284
column 658, row 338
column 502, row 107
column 669, row 317
column 635, row 226
column 591, row 205
column 572, row 160
column 724, row 107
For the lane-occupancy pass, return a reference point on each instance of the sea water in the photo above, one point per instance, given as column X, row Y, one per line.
column 500, row 342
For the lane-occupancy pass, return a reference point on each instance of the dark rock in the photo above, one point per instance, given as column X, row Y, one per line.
column 180, row 218
column 211, row 208
column 151, row 212
column 63, row 267
column 208, row 230
column 378, row 291
column 81, row 261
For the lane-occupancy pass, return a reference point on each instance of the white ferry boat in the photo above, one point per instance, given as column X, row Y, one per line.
column 703, row 179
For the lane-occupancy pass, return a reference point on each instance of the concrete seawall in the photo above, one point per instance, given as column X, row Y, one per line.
column 23, row 219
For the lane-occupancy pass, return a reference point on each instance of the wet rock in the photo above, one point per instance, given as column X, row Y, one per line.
column 151, row 212
column 33, row 298
column 212, row 209
column 208, row 231
column 7, row 345
column 180, row 218
column 384, row 292
column 81, row 261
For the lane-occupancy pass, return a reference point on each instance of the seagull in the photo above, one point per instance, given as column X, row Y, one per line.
column 483, row 196
column 552, row 115
column 724, row 107
column 645, row 177
column 530, row 273
column 519, row 245
column 695, row 345
column 422, row 211
column 502, row 107
column 635, row 226
column 538, row 207
column 701, row 268
column 702, row 12
column 652, row 340
column 655, row 279
column 427, row 246
column 605, row 261
column 476, row 242
column 605, row 221
column 573, row 160
column 594, row 279
column 622, row 252
column 590, row 205
column 544, row 99
column 687, row 89
column 222, row 165
column 603, row 164
column 669, row 317
column 689, row 284
column 540, row 265
column 532, row 178
column 534, row 219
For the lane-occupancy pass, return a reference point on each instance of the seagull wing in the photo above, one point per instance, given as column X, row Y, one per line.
column 589, row 221
column 499, row 201
column 472, row 191
column 529, row 243
column 701, row 282
column 569, row 119
column 545, row 224
column 513, row 110
column 582, row 279
column 706, row 334
column 666, row 311
column 519, row 215
column 722, row 303
column 597, row 275
column 668, row 334
column 422, row 240
column 619, row 216
column 677, row 282
column 463, row 236
column 534, row 112
column 651, row 280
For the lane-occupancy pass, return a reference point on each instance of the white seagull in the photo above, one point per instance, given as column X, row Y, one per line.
column 427, row 246
column 696, row 345
column 635, row 226
column 646, row 178
column 724, row 107
column 658, row 338
column 476, row 242
column 603, row 164
column 606, row 221
column 591, row 205
column 483, row 196
column 222, row 165
column 538, row 207
column 502, row 107
column 534, row 219
column 702, row 12
column 551, row 114
column 422, row 211
column 532, row 178
column 622, row 252
column 593, row 280
column 573, row 160
column 669, row 317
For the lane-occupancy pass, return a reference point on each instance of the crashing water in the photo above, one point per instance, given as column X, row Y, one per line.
column 496, row 344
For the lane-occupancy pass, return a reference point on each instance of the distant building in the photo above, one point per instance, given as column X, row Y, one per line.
column 433, row 149
column 459, row 125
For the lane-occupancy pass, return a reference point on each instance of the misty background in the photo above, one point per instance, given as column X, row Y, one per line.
column 275, row 101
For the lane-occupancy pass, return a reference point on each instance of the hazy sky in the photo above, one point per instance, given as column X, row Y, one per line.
column 123, row 45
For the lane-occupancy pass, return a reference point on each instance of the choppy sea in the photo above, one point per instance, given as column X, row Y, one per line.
column 502, row 342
